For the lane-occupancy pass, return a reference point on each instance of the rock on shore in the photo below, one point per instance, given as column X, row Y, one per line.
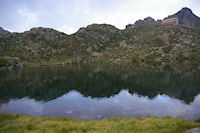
column 9, row 63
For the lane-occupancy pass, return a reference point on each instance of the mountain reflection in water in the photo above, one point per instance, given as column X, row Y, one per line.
column 100, row 91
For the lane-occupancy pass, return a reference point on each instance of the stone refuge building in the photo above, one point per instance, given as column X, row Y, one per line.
column 170, row 21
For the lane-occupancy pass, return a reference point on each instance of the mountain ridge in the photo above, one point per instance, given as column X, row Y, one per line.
column 152, row 45
column 185, row 11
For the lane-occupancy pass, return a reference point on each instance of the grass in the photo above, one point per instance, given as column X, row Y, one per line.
column 24, row 123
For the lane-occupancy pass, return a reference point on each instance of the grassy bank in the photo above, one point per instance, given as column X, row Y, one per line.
column 25, row 123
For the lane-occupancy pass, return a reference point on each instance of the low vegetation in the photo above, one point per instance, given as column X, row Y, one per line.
column 3, row 62
column 25, row 124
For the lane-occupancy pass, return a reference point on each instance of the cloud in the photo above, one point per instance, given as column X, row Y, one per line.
column 30, row 19
column 66, row 29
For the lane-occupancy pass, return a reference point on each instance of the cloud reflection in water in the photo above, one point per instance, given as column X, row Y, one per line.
column 124, row 104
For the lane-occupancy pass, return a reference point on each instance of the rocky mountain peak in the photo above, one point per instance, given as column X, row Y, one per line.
column 187, row 18
column 147, row 20
column 41, row 33
column 186, row 10
column 103, row 28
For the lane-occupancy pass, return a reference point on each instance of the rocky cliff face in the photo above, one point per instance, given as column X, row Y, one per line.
column 187, row 18
column 2, row 31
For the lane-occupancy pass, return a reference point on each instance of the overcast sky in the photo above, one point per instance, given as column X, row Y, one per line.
column 69, row 15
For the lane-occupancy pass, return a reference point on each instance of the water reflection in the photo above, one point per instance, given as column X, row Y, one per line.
column 124, row 104
column 99, row 91
column 47, row 83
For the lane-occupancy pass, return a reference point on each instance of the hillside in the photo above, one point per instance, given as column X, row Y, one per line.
column 145, row 44
column 150, row 44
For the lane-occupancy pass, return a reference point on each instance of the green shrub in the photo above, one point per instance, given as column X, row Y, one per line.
column 3, row 62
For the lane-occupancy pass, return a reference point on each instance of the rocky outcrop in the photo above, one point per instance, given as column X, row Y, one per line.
column 40, row 33
column 187, row 18
column 96, row 36
column 147, row 20
column 2, row 31
column 9, row 63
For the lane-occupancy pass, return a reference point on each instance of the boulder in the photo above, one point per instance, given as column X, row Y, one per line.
column 9, row 63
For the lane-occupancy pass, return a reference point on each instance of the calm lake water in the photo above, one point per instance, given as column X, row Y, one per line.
column 99, row 91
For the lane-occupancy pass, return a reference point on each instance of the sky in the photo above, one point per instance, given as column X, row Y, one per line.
column 69, row 15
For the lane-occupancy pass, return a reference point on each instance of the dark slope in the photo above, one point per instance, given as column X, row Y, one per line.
column 2, row 31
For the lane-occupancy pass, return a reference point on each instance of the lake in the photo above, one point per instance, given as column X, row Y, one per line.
column 100, row 91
